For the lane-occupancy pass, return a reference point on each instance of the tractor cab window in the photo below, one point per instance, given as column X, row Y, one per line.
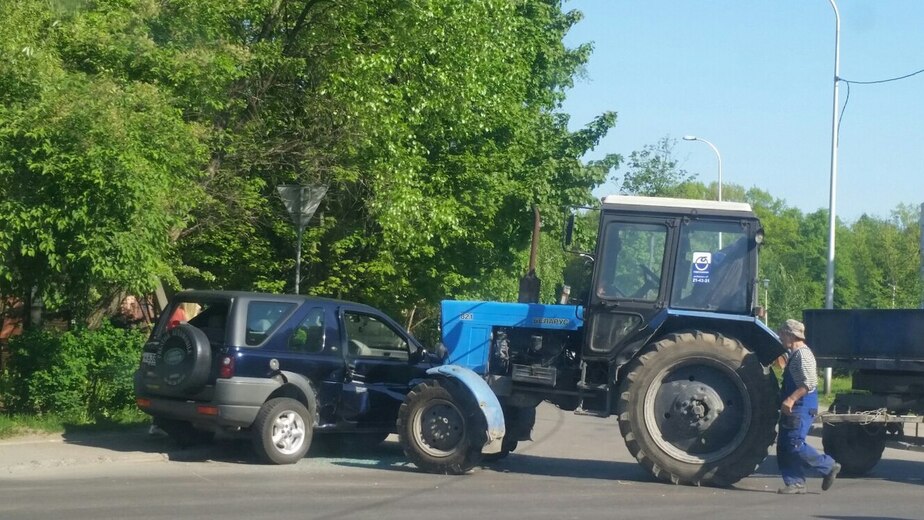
column 712, row 265
column 632, row 258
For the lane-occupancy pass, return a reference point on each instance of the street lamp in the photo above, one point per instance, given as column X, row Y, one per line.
column 832, row 218
column 717, row 154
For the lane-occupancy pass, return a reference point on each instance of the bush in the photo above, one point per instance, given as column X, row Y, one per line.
column 79, row 375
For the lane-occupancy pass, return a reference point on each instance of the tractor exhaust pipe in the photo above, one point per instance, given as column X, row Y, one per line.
column 530, row 283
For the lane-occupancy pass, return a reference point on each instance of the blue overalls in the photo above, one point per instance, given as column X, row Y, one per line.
column 792, row 452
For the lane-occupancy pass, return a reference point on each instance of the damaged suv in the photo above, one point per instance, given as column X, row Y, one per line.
column 281, row 368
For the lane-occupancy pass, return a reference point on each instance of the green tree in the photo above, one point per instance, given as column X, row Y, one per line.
column 654, row 171
column 436, row 124
column 886, row 259
column 95, row 173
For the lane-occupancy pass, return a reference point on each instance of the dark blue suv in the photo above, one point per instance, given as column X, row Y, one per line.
column 277, row 367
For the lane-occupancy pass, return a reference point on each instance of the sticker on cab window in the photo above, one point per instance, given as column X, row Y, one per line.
column 702, row 264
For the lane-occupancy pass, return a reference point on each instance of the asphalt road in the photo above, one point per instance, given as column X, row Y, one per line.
column 577, row 467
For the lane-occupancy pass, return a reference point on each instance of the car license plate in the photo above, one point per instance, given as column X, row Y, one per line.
column 149, row 358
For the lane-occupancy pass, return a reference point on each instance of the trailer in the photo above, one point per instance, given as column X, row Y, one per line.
column 883, row 349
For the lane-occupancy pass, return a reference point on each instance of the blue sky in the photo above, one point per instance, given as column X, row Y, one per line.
column 756, row 79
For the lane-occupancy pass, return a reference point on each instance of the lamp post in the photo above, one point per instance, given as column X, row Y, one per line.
column 832, row 217
column 717, row 154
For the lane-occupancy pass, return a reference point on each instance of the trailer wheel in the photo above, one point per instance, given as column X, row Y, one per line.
column 698, row 408
column 440, row 428
column 856, row 447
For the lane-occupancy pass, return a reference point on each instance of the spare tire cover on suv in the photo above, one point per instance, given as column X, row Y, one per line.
column 184, row 358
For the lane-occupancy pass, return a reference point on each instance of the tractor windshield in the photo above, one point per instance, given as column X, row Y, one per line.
column 712, row 265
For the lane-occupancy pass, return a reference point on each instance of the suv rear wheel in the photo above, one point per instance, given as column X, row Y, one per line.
column 282, row 431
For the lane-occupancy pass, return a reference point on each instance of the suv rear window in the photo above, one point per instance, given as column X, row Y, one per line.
column 262, row 317
column 209, row 317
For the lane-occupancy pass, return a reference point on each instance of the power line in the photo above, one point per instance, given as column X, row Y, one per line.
column 849, row 82
column 881, row 80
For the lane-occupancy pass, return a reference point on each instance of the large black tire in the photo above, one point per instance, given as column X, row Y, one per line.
column 698, row 408
column 281, row 433
column 183, row 361
column 440, row 428
column 856, row 447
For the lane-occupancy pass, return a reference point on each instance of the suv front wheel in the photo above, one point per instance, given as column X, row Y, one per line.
column 282, row 431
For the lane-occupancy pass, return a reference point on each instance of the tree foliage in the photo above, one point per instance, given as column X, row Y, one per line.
column 164, row 127
column 95, row 173
column 143, row 140
column 654, row 171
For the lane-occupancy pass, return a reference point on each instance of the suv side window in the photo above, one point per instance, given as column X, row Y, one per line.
column 309, row 335
column 262, row 316
column 368, row 336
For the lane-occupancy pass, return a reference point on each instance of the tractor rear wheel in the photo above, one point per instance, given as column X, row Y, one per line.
column 698, row 408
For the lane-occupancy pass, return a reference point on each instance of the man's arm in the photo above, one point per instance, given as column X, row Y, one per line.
column 790, row 401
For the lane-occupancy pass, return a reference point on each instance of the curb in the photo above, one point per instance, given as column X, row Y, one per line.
column 55, row 451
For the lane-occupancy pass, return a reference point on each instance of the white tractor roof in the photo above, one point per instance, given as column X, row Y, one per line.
column 633, row 200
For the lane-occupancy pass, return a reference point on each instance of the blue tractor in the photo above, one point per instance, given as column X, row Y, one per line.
column 665, row 336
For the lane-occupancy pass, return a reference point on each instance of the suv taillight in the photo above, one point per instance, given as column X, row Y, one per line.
column 226, row 371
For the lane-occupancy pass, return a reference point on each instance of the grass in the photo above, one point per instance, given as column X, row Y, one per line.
column 839, row 385
column 23, row 424
column 13, row 425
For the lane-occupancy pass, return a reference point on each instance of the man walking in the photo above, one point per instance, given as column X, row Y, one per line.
column 798, row 408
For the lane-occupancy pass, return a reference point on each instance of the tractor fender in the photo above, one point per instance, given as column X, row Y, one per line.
column 484, row 396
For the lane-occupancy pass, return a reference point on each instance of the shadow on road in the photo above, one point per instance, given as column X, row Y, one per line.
column 889, row 470
column 389, row 456
column 572, row 468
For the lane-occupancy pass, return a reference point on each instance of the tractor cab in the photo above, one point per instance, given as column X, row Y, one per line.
column 658, row 257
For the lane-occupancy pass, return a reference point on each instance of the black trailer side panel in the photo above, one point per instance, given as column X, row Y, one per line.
column 885, row 339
